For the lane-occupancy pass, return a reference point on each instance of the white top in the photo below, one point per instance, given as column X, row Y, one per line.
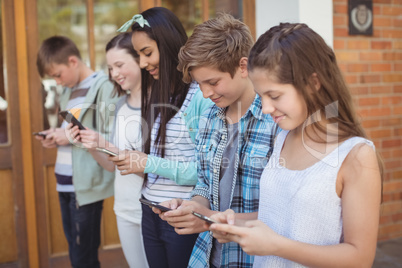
column 127, row 188
column 303, row 204
column 178, row 147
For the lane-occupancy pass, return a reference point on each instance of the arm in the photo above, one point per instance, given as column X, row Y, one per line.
column 183, row 173
column 360, row 182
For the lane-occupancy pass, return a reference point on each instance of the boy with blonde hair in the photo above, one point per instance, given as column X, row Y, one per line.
column 234, row 140
column 82, row 183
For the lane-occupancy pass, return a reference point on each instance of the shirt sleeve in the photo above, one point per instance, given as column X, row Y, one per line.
column 183, row 173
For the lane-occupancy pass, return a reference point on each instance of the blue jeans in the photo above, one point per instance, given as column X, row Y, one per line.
column 81, row 226
column 163, row 246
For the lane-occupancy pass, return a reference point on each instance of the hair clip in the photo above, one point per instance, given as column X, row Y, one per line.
column 136, row 18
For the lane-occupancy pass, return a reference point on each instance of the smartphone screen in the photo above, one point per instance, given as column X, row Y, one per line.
column 69, row 117
column 204, row 218
column 154, row 204
column 106, row 151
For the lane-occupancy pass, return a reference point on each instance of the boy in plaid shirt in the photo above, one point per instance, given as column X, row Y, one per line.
column 234, row 141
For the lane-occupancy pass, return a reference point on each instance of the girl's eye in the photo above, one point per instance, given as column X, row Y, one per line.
column 148, row 55
column 213, row 83
column 274, row 97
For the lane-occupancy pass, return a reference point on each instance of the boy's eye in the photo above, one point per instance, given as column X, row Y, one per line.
column 213, row 83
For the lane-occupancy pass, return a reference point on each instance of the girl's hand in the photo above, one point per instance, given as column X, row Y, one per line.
column 255, row 238
column 130, row 162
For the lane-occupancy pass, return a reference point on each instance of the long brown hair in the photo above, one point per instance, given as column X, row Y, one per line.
column 293, row 53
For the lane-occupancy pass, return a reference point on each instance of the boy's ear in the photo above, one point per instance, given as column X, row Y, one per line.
column 73, row 61
column 243, row 66
column 315, row 81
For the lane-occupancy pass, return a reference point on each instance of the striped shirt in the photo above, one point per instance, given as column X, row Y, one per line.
column 178, row 147
column 63, row 166
column 255, row 143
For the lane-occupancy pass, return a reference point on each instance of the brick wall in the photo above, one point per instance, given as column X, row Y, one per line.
column 372, row 66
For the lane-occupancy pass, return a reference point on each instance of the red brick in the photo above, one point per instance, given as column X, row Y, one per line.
column 358, row 44
column 397, row 217
column 370, row 78
column 347, row 56
column 391, row 10
column 341, row 32
column 392, row 186
column 371, row 123
column 351, row 79
column 397, row 153
column 389, row 231
column 380, row 133
column 397, row 44
column 391, row 121
column 381, row 44
column 343, row 67
column 398, row 67
column 392, row 164
column 391, row 100
column 398, row 131
column 357, row 68
column 397, row 23
column 358, row 90
column 397, row 110
column 397, row 175
column 391, row 143
column 341, row 8
column 381, row 67
column 382, row 1
column 371, row 56
column 392, row 78
column 397, row 88
column 382, row 22
column 340, row 19
column 393, row 56
column 385, row 154
column 339, row 44
column 368, row 101
column 383, row 89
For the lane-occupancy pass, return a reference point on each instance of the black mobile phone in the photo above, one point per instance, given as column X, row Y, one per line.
column 69, row 117
column 204, row 218
column 106, row 151
column 39, row 134
column 154, row 204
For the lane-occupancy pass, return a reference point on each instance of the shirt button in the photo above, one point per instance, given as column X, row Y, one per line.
column 215, row 170
column 185, row 114
column 215, row 203
column 223, row 137
column 204, row 146
column 191, row 129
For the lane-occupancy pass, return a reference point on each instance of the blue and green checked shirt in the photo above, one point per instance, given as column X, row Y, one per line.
column 256, row 136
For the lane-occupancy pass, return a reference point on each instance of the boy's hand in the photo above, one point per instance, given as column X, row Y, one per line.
column 130, row 162
column 184, row 221
column 48, row 141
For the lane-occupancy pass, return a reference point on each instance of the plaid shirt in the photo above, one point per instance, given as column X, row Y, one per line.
column 255, row 146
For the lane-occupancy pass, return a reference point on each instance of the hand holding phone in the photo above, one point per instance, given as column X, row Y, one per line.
column 40, row 134
column 204, row 218
column 106, row 151
column 154, row 204
column 69, row 117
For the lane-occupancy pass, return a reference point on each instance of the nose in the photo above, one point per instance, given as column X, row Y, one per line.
column 114, row 73
column 207, row 92
column 58, row 81
column 143, row 62
column 267, row 107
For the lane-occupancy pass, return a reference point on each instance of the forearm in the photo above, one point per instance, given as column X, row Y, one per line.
column 102, row 160
column 183, row 173
column 340, row 255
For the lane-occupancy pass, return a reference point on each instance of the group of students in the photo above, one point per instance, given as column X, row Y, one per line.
column 261, row 138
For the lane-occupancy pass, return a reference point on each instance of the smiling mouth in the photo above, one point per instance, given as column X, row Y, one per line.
column 216, row 99
column 278, row 118
column 153, row 71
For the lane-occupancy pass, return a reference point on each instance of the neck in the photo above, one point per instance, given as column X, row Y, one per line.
column 134, row 99
column 85, row 71
column 239, row 108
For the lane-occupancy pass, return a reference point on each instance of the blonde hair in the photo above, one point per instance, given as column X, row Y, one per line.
column 220, row 43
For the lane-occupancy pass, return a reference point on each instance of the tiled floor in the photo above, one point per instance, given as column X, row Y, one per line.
column 389, row 254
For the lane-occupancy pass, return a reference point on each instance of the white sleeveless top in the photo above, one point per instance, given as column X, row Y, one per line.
column 302, row 205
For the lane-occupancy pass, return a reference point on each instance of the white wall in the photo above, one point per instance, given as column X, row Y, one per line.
column 317, row 14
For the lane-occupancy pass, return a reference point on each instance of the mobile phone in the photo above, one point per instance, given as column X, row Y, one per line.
column 69, row 117
column 39, row 134
column 106, row 151
column 154, row 204
column 204, row 218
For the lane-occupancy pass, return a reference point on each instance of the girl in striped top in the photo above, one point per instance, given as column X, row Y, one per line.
column 171, row 109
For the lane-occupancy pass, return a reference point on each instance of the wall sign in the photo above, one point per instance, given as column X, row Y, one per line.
column 361, row 17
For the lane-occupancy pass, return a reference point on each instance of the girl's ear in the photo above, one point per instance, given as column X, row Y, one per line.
column 315, row 81
column 243, row 66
